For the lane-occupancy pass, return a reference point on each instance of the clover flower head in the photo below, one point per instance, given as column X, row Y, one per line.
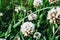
column 37, row 3
column 17, row 9
column 54, row 15
column 53, row 1
column 51, row 13
column 17, row 38
column 37, row 35
column 24, row 11
column 27, row 28
column 32, row 16
column 1, row 14
column 2, row 39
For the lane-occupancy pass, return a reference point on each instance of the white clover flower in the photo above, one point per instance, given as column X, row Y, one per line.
column 58, row 14
column 37, row 35
column 1, row 14
column 17, row 9
column 58, row 10
column 2, row 39
column 27, row 28
column 51, row 13
column 37, row 3
column 53, row 1
column 24, row 10
column 17, row 38
column 54, row 15
column 32, row 16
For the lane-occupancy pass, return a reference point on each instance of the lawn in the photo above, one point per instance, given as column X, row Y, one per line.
column 29, row 19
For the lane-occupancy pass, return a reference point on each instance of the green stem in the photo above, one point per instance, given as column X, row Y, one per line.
column 8, row 30
column 22, row 36
column 56, row 31
column 0, row 4
column 21, row 3
column 44, row 9
column 1, row 19
column 33, row 12
column 19, row 22
column 14, row 18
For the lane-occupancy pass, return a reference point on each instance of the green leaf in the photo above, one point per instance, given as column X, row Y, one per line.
column 8, row 30
column 1, row 34
column 0, row 4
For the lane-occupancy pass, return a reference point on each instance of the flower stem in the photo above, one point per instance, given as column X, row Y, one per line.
column 33, row 12
column 14, row 18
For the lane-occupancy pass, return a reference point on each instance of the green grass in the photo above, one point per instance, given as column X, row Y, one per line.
column 11, row 21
